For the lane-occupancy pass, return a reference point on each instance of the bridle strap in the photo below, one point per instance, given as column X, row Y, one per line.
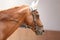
column 34, row 20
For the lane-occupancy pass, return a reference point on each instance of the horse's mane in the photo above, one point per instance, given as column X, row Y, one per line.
column 9, row 9
column 13, row 9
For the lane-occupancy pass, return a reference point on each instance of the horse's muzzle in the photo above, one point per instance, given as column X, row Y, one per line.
column 39, row 32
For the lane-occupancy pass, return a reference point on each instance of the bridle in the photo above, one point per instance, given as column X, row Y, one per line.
column 35, row 17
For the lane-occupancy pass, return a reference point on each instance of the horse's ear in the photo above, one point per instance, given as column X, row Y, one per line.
column 34, row 5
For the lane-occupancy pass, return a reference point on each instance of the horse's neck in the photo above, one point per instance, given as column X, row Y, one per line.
column 8, row 27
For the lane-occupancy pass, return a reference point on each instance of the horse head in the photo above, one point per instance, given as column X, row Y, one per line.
column 33, row 21
column 37, row 22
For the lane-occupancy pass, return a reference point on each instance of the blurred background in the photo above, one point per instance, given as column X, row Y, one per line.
column 49, row 11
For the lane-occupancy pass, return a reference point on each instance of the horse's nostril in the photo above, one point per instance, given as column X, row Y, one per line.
column 43, row 30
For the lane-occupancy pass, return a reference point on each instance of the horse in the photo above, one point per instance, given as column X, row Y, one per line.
column 12, row 18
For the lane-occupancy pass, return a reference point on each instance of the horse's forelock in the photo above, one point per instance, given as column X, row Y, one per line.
column 34, row 5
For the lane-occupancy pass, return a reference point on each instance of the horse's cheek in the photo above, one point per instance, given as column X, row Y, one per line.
column 29, row 20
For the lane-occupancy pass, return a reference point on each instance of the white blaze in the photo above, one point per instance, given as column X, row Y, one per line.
column 34, row 4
